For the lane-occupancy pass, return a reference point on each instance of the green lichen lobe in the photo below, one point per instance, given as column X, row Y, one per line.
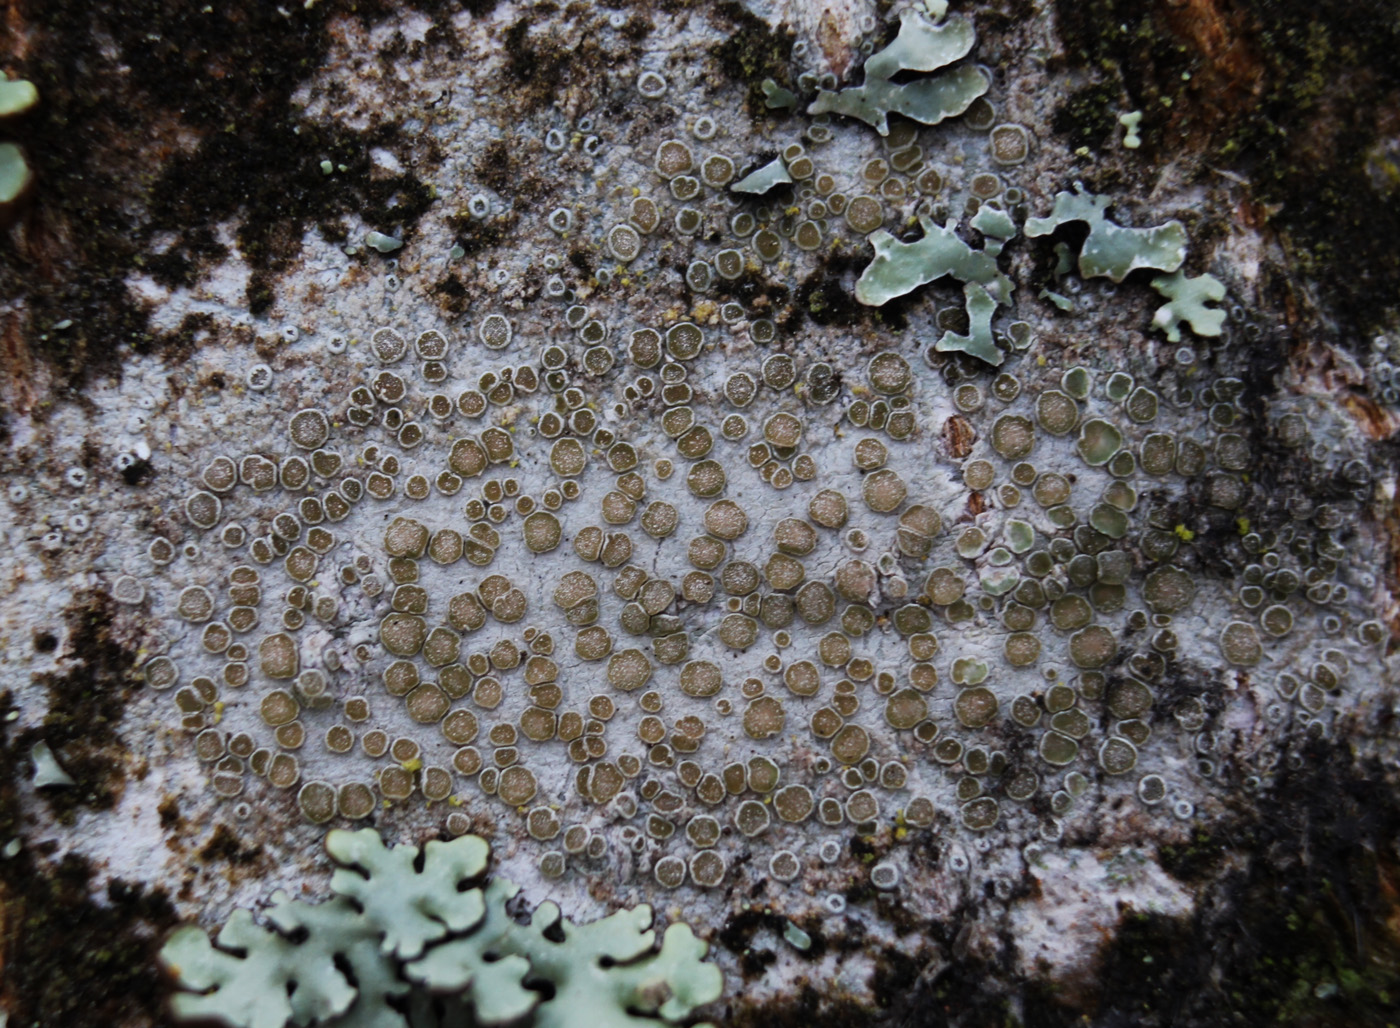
column 1186, row 303
column 423, row 914
column 1112, row 251
column 758, row 182
column 900, row 268
column 921, row 46
column 17, row 96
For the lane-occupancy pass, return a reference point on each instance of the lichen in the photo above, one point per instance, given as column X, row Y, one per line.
column 403, row 910
column 1132, row 123
column 47, row 770
column 17, row 96
column 921, row 46
column 1187, row 299
column 647, row 525
column 899, row 268
column 1111, row 251
column 761, row 180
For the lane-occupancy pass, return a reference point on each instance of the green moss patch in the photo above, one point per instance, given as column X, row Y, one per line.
column 86, row 704
column 1292, row 95
column 753, row 52
column 65, row 957
column 109, row 177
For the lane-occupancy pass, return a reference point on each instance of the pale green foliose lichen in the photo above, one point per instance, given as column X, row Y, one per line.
column 600, row 971
column 16, row 96
column 1061, row 301
column 775, row 97
column 774, row 173
column 1131, row 122
column 15, row 175
column 1112, row 251
column 899, row 268
column 477, row 962
column 422, row 905
column 469, row 958
column 996, row 225
column 1187, row 299
column 978, row 342
column 796, row 937
column 383, row 243
column 991, row 221
column 47, row 769
column 921, row 46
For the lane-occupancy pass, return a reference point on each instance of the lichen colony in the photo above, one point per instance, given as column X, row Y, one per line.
column 782, row 492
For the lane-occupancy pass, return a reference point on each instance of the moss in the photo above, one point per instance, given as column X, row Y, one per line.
column 968, row 992
column 225, row 846
column 273, row 183
column 72, row 961
column 1131, row 42
column 753, row 52
column 112, row 177
column 809, row 1009
column 1293, row 96
column 475, row 236
column 999, row 16
column 508, row 166
column 1088, row 117
column 66, row 958
column 451, row 295
column 169, row 811
column 582, row 261
column 531, row 64
column 1142, row 963
column 823, row 298
column 753, row 289
column 260, row 295
column 826, row 297
column 895, row 974
column 1306, row 933
column 537, row 63
column 85, row 705
column 740, row 929
column 638, row 27
column 137, row 472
